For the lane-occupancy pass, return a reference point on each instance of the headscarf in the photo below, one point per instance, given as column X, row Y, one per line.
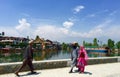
column 82, row 50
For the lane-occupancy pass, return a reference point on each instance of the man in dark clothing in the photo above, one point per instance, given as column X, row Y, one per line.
column 28, row 57
column 74, row 56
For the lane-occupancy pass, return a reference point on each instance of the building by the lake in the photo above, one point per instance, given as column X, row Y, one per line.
column 12, row 39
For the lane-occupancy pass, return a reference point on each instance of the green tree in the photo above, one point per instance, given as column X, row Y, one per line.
column 22, row 45
column 95, row 42
column 2, row 45
column 88, row 44
column 118, row 46
column 64, row 46
column 104, row 45
column 111, row 44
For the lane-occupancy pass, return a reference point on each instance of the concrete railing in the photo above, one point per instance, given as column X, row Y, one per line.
column 48, row 64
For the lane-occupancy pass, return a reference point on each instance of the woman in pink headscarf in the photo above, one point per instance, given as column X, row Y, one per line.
column 82, row 59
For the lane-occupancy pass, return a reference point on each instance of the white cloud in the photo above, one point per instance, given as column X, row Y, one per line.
column 95, row 14
column 23, row 25
column 64, row 30
column 50, row 32
column 78, row 8
column 105, row 23
column 113, row 32
column 99, row 30
column 95, row 32
column 68, row 24
column 63, row 33
column 10, row 31
column 73, row 19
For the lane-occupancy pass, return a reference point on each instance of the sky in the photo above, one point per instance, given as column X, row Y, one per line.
column 61, row 20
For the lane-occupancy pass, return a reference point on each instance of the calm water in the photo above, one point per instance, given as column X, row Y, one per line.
column 51, row 55
column 44, row 55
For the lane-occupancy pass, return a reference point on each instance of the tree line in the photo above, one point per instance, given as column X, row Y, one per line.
column 97, row 43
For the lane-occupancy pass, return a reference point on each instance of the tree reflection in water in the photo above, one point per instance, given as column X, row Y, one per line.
column 51, row 55
column 38, row 55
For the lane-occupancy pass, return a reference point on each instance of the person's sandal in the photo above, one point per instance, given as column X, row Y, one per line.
column 70, row 71
column 16, row 74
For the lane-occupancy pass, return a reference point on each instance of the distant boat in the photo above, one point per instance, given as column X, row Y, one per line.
column 97, row 50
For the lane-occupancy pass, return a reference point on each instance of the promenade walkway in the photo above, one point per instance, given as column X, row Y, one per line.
column 99, row 70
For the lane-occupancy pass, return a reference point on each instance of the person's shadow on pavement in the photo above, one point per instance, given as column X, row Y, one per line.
column 76, row 71
column 29, row 74
column 87, row 73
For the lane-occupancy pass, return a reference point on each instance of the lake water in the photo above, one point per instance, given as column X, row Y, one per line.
column 47, row 55
column 53, row 55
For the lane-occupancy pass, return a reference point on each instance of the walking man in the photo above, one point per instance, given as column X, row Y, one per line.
column 74, row 56
column 28, row 57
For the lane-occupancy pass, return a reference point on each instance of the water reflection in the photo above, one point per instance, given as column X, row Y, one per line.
column 45, row 55
column 64, row 54
column 51, row 55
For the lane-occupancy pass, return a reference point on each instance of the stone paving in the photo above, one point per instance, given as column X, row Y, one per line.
column 99, row 70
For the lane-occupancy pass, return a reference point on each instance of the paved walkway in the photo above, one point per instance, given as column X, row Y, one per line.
column 99, row 70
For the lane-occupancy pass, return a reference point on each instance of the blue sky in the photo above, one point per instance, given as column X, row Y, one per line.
column 61, row 20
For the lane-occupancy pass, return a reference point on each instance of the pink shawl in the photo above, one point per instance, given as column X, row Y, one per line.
column 82, row 49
